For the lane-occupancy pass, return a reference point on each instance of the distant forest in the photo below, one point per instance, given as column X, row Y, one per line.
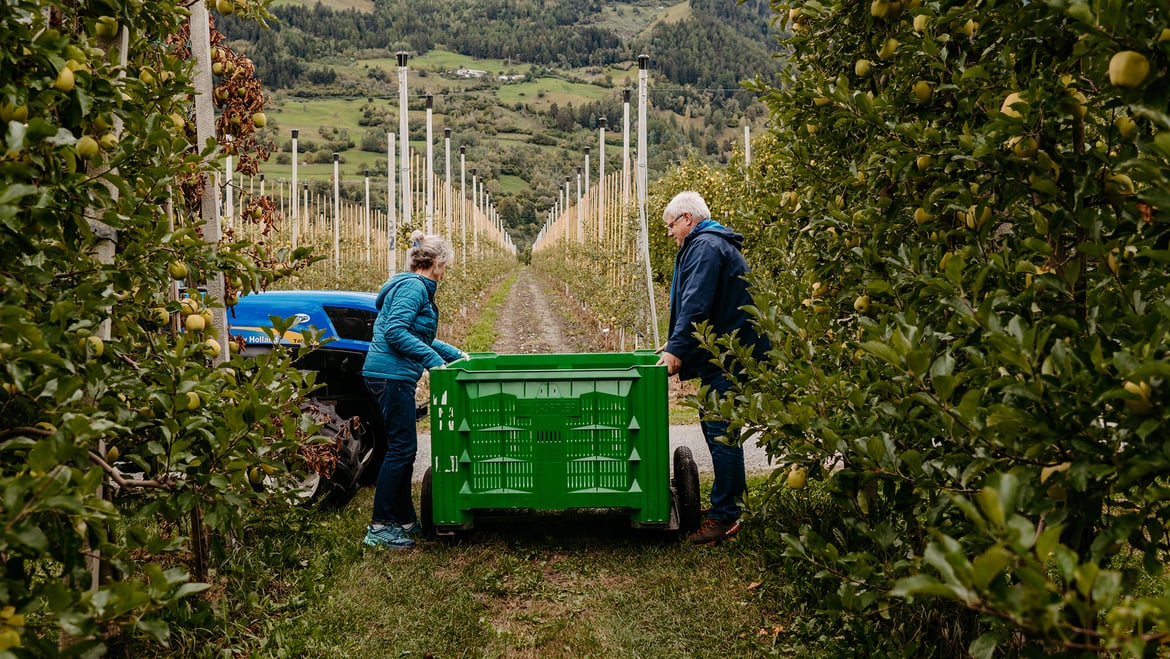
column 720, row 44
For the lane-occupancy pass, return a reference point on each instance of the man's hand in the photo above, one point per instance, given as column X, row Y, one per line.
column 671, row 362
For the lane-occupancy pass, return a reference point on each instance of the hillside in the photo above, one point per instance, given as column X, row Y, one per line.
column 544, row 73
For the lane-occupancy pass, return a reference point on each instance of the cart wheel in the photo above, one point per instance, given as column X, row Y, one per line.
column 426, row 506
column 686, row 485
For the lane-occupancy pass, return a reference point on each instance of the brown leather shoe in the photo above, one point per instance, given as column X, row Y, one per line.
column 712, row 532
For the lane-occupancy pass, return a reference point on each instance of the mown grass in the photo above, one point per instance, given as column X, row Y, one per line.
column 481, row 335
column 584, row 586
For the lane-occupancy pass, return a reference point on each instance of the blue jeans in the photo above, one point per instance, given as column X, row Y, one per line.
column 392, row 500
column 727, row 461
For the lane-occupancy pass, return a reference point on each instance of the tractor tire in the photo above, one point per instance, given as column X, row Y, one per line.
column 354, row 451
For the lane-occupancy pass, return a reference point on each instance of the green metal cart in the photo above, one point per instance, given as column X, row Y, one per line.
column 554, row 433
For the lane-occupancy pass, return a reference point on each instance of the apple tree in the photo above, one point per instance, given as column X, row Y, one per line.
column 130, row 448
column 966, row 226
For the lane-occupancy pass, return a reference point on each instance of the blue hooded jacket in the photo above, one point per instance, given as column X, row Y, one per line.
column 708, row 285
column 404, row 343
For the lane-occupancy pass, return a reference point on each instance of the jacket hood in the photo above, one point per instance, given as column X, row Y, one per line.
column 712, row 227
column 397, row 280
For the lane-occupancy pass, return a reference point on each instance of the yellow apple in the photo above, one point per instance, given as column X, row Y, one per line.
column 188, row 306
column 195, row 323
column 106, row 27
column 862, row 67
column 969, row 28
column 1118, row 185
column 861, row 304
column 1141, row 404
column 160, row 315
column 211, row 346
column 923, row 91
column 87, row 147
column 225, row 7
column 65, row 80
column 923, row 162
column 1128, row 69
column 1126, row 127
column 797, row 477
column 1075, row 103
column 920, row 23
column 885, row 9
column 177, row 270
column 922, row 216
column 108, row 142
column 95, row 345
column 1024, row 146
column 193, row 401
column 888, row 49
column 259, row 120
column 975, row 217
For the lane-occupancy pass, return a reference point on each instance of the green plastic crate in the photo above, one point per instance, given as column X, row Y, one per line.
column 549, row 432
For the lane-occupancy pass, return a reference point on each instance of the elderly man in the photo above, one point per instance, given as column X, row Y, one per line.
column 709, row 286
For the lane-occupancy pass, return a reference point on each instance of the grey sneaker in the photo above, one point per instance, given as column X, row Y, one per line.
column 390, row 537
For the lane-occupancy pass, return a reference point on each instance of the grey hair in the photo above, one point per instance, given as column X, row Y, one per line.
column 431, row 250
column 686, row 202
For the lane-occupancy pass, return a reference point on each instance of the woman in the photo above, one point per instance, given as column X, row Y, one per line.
column 404, row 345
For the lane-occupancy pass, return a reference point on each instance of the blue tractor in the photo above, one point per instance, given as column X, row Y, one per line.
column 342, row 405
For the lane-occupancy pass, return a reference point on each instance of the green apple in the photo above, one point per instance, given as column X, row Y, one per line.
column 861, row 304
column 1126, row 127
column 177, row 270
column 923, row 91
column 1128, row 69
column 106, row 27
column 885, row 9
column 1118, row 185
column 211, row 347
column 225, row 7
column 259, row 120
column 1140, row 405
column 87, row 147
column 923, row 162
column 193, row 401
column 889, row 47
column 195, row 323
column 862, row 67
column 95, row 345
column 65, row 80
column 108, row 142
column 797, row 477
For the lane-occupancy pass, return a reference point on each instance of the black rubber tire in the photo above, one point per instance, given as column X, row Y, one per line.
column 686, row 489
column 375, row 434
column 426, row 505
column 353, row 453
